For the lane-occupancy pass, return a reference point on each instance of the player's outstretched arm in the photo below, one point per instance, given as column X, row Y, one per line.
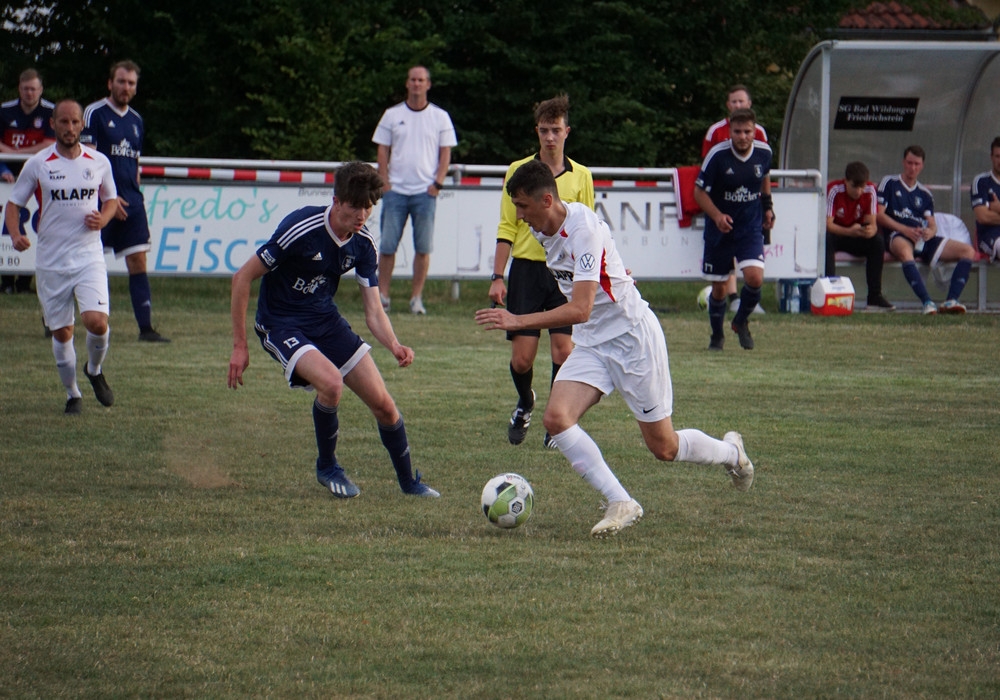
column 381, row 327
column 576, row 310
column 240, row 359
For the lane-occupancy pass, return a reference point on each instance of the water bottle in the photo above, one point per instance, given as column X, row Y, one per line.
column 795, row 303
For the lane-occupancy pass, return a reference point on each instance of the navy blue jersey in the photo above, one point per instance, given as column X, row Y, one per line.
column 982, row 185
column 119, row 137
column 305, row 262
column 909, row 206
column 734, row 184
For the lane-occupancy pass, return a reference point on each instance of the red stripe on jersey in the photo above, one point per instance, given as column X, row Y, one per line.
column 605, row 281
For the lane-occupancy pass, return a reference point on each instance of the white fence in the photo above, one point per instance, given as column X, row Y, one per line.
column 206, row 217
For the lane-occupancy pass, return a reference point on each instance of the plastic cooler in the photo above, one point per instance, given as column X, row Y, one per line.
column 832, row 296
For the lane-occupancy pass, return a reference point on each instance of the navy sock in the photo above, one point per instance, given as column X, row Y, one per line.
column 912, row 275
column 555, row 371
column 749, row 298
column 717, row 314
column 138, row 289
column 522, row 383
column 959, row 278
column 327, row 425
column 394, row 439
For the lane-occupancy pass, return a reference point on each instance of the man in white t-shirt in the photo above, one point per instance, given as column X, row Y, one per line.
column 619, row 344
column 71, row 180
column 414, row 141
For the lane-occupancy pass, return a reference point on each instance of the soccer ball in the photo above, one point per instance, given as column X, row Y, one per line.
column 507, row 500
column 703, row 297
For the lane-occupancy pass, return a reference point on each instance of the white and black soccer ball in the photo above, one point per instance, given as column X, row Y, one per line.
column 703, row 297
column 508, row 500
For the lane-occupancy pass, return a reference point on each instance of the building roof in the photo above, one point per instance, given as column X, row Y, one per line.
column 889, row 20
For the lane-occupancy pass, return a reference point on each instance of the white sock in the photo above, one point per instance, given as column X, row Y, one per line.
column 65, row 355
column 97, row 350
column 585, row 456
column 698, row 448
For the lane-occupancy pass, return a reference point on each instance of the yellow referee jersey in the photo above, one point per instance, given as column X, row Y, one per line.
column 575, row 184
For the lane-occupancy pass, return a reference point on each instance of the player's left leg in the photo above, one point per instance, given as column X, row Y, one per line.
column 422, row 210
column 365, row 380
column 964, row 255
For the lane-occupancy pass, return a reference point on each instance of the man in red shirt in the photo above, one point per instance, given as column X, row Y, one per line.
column 850, row 227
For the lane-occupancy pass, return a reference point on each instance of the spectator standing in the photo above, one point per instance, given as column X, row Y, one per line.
column 72, row 182
column 619, row 344
column 27, row 129
column 851, row 208
column 734, row 191
column 986, row 204
column 299, row 325
column 414, row 139
column 906, row 215
column 532, row 287
column 115, row 129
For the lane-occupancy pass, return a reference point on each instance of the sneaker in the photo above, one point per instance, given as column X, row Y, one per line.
column 520, row 419
column 618, row 516
column 337, row 482
column 417, row 306
column 952, row 307
column 930, row 308
column 151, row 336
column 101, row 389
column 880, row 303
column 74, row 406
column 385, row 303
column 547, row 442
column 419, row 489
column 742, row 472
column 717, row 342
column 743, row 331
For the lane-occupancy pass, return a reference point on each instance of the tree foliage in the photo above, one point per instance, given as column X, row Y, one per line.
column 307, row 79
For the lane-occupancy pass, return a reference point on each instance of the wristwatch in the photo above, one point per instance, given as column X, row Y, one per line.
column 439, row 185
column 495, row 277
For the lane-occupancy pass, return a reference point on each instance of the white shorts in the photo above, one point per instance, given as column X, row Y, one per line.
column 57, row 290
column 635, row 363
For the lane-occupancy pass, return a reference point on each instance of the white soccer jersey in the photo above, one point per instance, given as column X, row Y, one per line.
column 415, row 138
column 584, row 251
column 68, row 190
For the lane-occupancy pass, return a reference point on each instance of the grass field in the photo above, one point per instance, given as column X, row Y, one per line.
column 178, row 545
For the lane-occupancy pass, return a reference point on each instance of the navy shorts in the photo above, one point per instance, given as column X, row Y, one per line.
column 532, row 288
column 721, row 249
column 128, row 236
column 338, row 343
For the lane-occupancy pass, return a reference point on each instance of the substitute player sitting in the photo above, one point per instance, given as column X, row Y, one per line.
column 299, row 325
column 619, row 344
column 70, row 181
column 734, row 191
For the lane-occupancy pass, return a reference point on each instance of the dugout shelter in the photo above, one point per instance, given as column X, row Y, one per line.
column 869, row 100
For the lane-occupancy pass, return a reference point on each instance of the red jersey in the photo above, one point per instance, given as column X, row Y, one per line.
column 719, row 132
column 846, row 211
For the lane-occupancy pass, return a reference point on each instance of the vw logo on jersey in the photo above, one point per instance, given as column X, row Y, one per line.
column 587, row 262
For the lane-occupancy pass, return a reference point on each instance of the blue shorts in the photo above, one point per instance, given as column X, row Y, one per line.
column 128, row 236
column 396, row 208
column 721, row 249
column 338, row 343
column 929, row 254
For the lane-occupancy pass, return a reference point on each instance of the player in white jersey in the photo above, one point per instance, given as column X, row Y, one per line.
column 619, row 344
column 70, row 181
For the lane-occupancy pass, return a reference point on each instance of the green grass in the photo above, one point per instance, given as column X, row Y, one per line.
column 178, row 545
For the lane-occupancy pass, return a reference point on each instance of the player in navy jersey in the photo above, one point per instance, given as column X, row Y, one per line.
column 986, row 204
column 116, row 130
column 299, row 325
column 906, row 214
column 734, row 191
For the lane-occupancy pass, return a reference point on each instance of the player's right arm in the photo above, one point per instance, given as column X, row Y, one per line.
column 12, row 220
column 243, row 279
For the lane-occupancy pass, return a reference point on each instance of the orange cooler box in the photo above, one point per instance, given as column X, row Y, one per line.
column 832, row 296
